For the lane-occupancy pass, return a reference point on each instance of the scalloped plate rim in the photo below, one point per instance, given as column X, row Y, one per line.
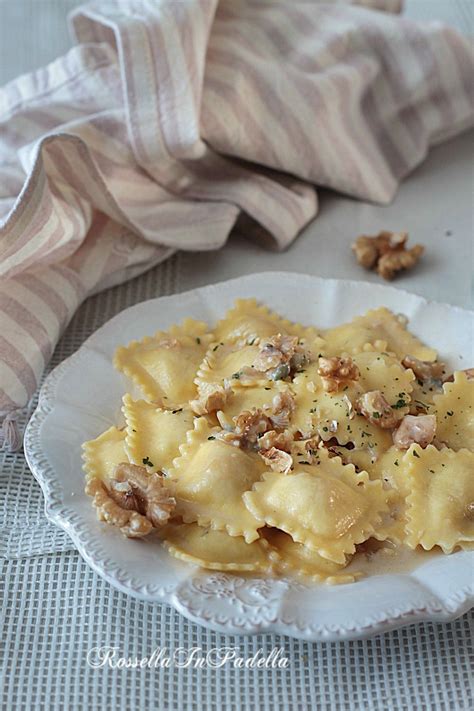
column 62, row 516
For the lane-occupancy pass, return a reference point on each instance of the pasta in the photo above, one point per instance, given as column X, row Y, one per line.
column 266, row 446
column 215, row 549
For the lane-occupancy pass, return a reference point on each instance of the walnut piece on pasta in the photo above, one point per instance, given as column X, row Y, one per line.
column 375, row 408
column 277, row 459
column 134, row 501
column 468, row 372
column 283, row 406
column 336, row 372
column 415, row 429
column 280, row 356
column 211, row 401
column 425, row 370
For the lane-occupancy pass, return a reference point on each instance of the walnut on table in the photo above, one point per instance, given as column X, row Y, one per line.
column 386, row 253
column 133, row 500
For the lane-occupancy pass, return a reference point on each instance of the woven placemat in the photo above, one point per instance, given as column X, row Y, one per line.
column 55, row 610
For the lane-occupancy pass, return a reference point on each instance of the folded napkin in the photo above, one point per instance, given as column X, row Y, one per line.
column 169, row 123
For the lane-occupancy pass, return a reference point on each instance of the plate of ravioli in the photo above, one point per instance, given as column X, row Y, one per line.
column 275, row 453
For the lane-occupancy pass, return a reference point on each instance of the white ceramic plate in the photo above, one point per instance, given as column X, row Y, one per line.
column 82, row 397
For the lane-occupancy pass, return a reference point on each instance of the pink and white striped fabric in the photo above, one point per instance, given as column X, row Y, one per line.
column 169, row 121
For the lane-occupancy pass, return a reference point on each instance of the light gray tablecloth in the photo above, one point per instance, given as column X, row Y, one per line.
column 54, row 609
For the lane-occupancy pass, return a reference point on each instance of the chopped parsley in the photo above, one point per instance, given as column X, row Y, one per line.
column 215, row 348
column 400, row 403
column 146, row 462
column 180, row 409
column 198, row 340
column 211, row 437
column 396, row 462
column 235, row 376
column 450, row 413
column 415, row 454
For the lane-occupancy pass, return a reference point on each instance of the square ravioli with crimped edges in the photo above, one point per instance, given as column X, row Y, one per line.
column 258, row 444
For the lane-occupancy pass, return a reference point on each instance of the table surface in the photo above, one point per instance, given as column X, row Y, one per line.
column 54, row 608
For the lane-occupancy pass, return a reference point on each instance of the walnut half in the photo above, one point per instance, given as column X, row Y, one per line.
column 280, row 356
column 424, row 370
column 386, row 253
column 419, row 429
column 212, row 401
column 133, row 500
column 277, row 459
column 336, row 372
column 375, row 408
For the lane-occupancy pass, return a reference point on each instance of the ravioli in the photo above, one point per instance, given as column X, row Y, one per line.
column 379, row 327
column 209, row 479
column 295, row 558
column 328, row 507
column 164, row 366
column 441, row 502
column 253, row 398
column 248, row 320
column 454, row 410
column 223, row 364
column 286, row 471
column 102, row 454
column 393, row 468
column 153, row 435
column 332, row 414
column 215, row 550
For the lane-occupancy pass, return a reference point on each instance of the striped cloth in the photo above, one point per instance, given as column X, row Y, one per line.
column 169, row 123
